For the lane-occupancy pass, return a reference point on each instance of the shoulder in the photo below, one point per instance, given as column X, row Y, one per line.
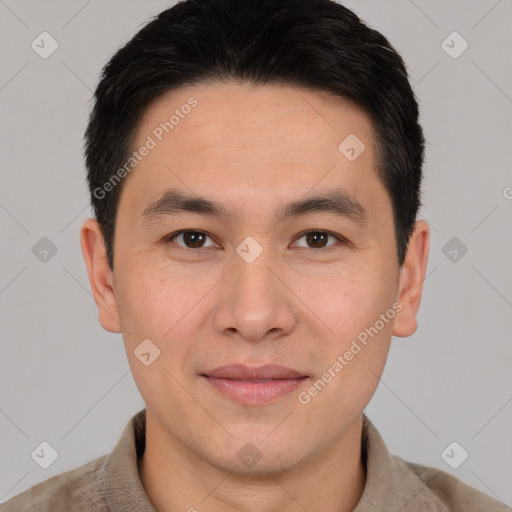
column 79, row 489
column 440, row 491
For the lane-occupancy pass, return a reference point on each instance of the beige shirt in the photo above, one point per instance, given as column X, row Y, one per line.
column 112, row 483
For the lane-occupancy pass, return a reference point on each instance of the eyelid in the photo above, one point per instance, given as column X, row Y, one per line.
column 339, row 237
column 170, row 237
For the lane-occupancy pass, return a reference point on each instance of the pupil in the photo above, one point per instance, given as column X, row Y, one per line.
column 313, row 238
column 194, row 238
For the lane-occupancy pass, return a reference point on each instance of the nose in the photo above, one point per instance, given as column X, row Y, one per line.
column 255, row 302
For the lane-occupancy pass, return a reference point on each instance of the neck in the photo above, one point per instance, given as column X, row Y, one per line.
column 177, row 479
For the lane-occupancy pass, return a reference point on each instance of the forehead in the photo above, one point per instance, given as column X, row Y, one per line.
column 234, row 141
column 241, row 114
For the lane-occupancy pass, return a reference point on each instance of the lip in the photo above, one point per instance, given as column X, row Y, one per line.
column 243, row 372
column 238, row 382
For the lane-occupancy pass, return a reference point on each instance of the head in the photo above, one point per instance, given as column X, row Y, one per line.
column 255, row 172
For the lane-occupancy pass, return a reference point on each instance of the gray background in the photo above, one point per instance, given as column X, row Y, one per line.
column 66, row 381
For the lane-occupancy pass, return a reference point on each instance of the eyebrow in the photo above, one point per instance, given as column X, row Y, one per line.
column 335, row 201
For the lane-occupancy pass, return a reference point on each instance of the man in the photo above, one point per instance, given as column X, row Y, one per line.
column 255, row 172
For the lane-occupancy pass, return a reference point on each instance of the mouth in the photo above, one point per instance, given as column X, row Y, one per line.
column 261, row 373
column 252, row 386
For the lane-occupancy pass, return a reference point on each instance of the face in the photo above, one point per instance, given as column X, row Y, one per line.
column 316, row 289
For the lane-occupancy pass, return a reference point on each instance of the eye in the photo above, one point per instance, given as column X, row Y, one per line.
column 192, row 239
column 195, row 239
column 317, row 239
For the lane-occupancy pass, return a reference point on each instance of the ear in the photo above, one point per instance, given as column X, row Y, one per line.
column 412, row 275
column 101, row 277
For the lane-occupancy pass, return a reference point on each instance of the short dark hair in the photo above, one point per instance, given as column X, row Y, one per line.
column 316, row 44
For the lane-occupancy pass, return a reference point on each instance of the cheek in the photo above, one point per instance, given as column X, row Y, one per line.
column 358, row 339
column 154, row 305
column 153, row 308
column 147, row 305
column 354, row 357
column 349, row 299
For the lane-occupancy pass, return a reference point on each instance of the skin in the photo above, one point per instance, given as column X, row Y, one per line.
column 254, row 149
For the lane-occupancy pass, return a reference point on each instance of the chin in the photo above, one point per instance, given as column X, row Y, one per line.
column 258, row 458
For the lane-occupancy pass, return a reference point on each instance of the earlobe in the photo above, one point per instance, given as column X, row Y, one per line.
column 100, row 275
column 412, row 275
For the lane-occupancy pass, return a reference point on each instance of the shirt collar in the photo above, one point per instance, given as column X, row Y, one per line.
column 122, row 487
column 387, row 479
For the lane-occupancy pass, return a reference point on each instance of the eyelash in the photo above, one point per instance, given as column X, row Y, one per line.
column 201, row 250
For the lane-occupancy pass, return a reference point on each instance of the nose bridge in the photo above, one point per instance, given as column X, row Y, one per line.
column 254, row 279
column 255, row 283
